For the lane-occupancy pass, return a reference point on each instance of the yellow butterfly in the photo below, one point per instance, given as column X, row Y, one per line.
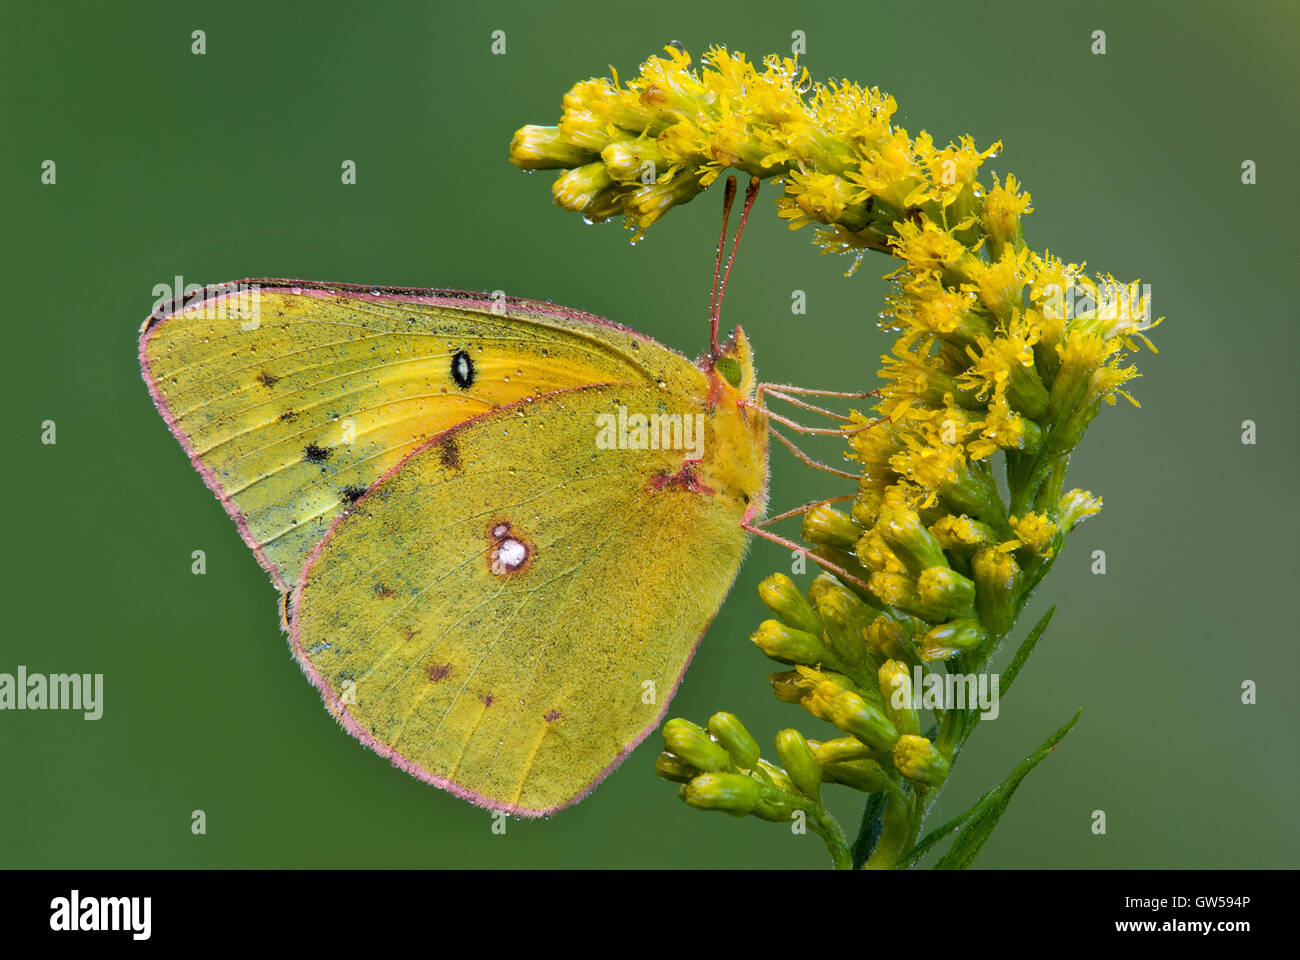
column 499, row 526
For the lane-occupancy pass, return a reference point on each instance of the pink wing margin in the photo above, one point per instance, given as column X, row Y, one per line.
column 213, row 295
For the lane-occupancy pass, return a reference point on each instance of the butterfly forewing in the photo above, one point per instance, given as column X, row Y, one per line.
column 293, row 400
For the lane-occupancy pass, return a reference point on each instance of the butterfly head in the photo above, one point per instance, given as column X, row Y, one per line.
column 732, row 367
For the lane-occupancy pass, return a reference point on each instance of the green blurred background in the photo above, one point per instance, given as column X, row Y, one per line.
column 227, row 165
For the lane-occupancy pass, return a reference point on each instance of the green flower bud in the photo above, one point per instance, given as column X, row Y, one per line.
column 949, row 639
column 779, row 795
column 629, row 161
column 731, row 733
column 916, row 546
column 732, row 793
column 839, row 750
column 780, row 595
column 585, row 129
column 890, row 639
column 578, row 189
column 822, row 584
column 674, row 768
column 627, row 114
column 1026, row 393
column 896, row 693
column 865, row 775
column 605, row 204
column 848, row 561
column 647, row 204
column 871, row 694
column 689, row 742
column 997, row 578
column 917, row 759
column 1071, row 390
column 875, row 554
column 542, row 148
column 845, row 617
column 961, row 535
column 788, row 645
column 852, row 714
column 901, row 592
column 1075, row 506
column 825, row 525
column 947, row 590
column 848, row 711
column 973, row 490
column 1000, row 216
column 882, row 636
column 779, row 779
column 799, row 762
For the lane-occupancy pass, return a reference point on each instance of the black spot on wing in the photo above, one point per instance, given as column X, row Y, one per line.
column 315, row 454
column 462, row 370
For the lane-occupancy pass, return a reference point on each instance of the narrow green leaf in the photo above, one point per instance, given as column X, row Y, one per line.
column 1026, row 648
column 934, row 836
column 869, row 832
column 988, row 810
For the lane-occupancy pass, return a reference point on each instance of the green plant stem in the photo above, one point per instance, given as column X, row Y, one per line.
column 837, row 845
column 900, row 822
column 868, row 830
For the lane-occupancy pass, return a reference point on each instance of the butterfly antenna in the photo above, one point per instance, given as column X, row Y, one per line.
column 728, row 197
column 751, row 192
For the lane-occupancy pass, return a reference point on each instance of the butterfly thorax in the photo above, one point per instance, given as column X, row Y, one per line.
column 734, row 461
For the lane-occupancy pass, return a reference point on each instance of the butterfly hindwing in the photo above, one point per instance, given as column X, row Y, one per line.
column 293, row 398
column 507, row 613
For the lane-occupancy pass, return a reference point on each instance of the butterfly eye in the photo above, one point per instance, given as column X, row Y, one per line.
column 729, row 369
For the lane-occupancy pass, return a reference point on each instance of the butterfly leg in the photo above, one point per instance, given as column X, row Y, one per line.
column 816, row 392
column 759, row 531
column 804, row 509
column 823, row 431
column 809, row 461
column 783, row 391
column 775, row 391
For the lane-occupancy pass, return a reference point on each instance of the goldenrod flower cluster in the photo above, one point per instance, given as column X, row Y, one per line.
column 1003, row 357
